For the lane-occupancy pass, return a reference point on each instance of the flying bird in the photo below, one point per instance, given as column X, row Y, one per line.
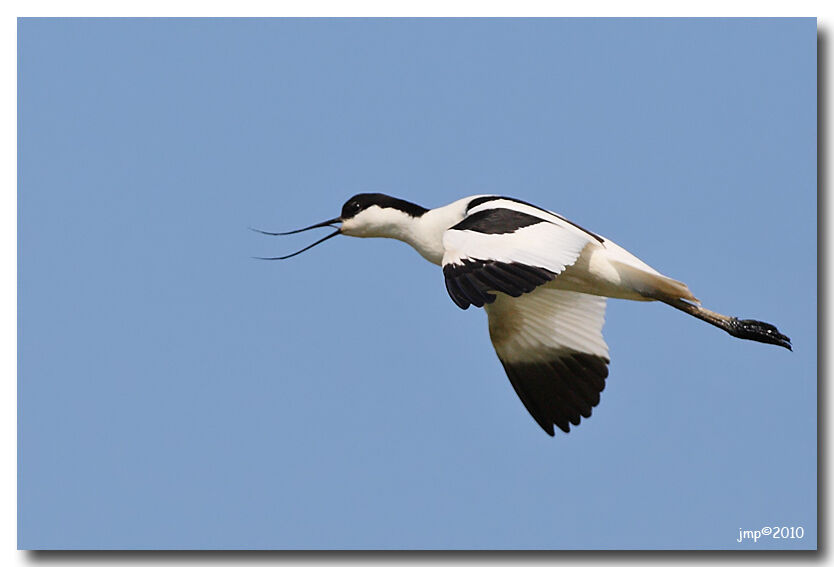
column 542, row 280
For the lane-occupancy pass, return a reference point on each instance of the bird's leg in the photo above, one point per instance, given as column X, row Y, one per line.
column 749, row 329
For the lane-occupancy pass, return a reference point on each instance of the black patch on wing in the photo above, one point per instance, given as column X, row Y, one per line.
column 474, row 281
column 560, row 391
column 497, row 221
column 481, row 200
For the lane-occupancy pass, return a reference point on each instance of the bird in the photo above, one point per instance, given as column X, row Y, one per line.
column 543, row 282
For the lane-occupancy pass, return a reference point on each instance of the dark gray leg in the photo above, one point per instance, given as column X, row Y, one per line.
column 749, row 329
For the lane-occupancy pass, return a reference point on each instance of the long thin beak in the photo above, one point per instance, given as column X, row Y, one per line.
column 329, row 223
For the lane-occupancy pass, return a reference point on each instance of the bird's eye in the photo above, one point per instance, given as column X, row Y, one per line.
column 351, row 209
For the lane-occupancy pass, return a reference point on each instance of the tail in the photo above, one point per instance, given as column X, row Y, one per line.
column 749, row 329
column 650, row 283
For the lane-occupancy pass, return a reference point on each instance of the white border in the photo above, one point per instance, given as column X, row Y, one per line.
column 8, row 209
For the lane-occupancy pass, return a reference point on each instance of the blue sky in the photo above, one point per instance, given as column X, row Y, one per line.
column 176, row 393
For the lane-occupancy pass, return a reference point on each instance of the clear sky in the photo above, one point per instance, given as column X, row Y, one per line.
column 176, row 393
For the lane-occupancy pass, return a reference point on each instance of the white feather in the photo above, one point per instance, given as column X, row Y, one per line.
column 543, row 244
column 539, row 325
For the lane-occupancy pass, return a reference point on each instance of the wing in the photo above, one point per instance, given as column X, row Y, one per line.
column 550, row 343
column 507, row 246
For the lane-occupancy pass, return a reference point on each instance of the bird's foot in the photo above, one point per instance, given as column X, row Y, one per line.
column 760, row 331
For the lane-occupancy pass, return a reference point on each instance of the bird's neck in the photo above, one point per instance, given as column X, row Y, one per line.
column 425, row 233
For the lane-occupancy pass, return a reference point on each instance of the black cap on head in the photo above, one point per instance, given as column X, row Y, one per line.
column 362, row 201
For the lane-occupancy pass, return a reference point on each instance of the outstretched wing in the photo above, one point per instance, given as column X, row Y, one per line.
column 550, row 343
column 507, row 246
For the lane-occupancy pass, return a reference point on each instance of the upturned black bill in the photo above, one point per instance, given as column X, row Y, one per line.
column 328, row 223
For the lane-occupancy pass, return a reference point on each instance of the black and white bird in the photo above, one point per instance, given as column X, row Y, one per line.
column 543, row 281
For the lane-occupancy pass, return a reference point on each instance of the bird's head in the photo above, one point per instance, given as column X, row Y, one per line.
column 365, row 215
column 369, row 215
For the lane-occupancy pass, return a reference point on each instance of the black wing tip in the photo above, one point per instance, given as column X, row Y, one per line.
column 559, row 392
column 475, row 282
